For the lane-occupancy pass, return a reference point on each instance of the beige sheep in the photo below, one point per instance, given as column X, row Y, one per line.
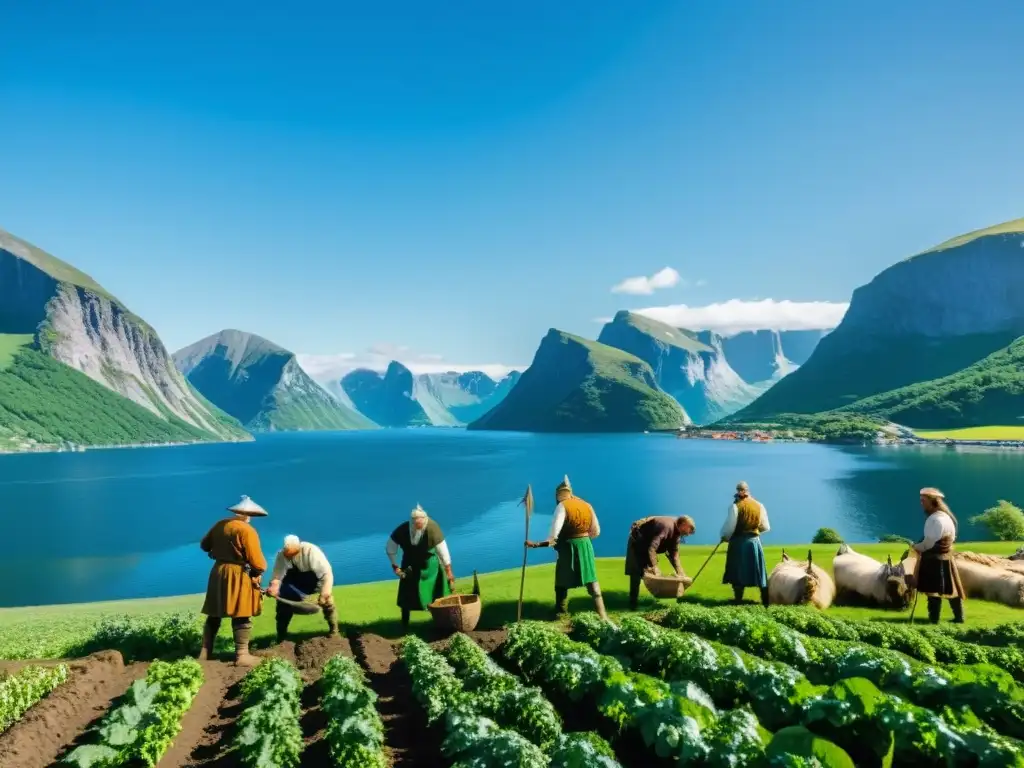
column 794, row 582
column 861, row 577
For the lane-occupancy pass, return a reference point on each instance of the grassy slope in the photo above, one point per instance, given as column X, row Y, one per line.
column 598, row 388
column 988, row 392
column 1006, row 228
column 50, row 402
column 973, row 433
column 371, row 607
column 663, row 332
column 306, row 412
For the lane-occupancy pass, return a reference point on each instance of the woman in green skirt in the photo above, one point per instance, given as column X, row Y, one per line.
column 572, row 529
column 424, row 554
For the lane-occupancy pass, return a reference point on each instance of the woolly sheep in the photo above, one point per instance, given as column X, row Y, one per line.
column 794, row 582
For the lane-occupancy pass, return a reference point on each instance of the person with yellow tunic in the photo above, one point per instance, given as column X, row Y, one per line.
column 574, row 526
column 744, row 560
column 233, row 589
column 937, row 575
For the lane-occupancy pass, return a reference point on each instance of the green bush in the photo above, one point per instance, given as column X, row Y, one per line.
column 1005, row 521
column 827, row 536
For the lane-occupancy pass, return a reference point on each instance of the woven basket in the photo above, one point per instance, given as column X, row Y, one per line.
column 666, row 586
column 458, row 613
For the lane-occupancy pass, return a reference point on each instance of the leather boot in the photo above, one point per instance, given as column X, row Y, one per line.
column 599, row 607
column 210, row 629
column 561, row 600
column 634, row 592
column 957, row 604
column 737, row 595
column 405, row 619
column 242, row 656
column 764, row 596
column 934, row 609
column 282, row 621
column 331, row 614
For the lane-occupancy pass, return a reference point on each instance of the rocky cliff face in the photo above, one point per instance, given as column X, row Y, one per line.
column 711, row 376
column 262, row 385
column 78, row 323
column 403, row 398
column 920, row 319
column 577, row 385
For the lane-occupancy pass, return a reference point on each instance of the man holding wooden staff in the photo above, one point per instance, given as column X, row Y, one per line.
column 937, row 575
column 648, row 538
column 572, row 529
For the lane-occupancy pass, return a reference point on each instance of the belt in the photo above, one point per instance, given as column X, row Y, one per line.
column 577, row 536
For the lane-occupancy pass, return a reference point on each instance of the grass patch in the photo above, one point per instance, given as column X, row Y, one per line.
column 10, row 343
column 973, row 433
column 371, row 607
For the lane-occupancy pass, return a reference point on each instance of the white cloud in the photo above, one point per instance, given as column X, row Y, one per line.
column 328, row 368
column 644, row 286
column 736, row 315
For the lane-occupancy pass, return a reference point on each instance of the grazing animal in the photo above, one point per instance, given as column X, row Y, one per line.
column 858, row 575
column 985, row 578
column 1005, row 563
column 793, row 582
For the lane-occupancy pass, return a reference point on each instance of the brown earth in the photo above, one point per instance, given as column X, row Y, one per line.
column 62, row 720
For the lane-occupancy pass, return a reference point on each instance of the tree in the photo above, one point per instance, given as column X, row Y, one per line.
column 1005, row 521
column 827, row 536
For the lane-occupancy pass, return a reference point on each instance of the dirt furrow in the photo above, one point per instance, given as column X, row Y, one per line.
column 47, row 729
column 204, row 715
column 408, row 740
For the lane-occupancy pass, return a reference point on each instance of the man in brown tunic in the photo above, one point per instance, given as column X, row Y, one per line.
column 648, row 538
column 233, row 590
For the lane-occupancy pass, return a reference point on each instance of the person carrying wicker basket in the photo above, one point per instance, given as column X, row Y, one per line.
column 648, row 538
column 572, row 529
column 424, row 554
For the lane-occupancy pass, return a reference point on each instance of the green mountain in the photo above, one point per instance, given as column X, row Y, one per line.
column 988, row 392
column 76, row 365
column 577, row 385
column 262, row 385
column 922, row 319
column 400, row 398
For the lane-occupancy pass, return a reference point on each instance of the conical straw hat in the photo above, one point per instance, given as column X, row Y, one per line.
column 248, row 507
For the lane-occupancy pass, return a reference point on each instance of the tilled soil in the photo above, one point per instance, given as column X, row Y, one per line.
column 41, row 736
column 62, row 720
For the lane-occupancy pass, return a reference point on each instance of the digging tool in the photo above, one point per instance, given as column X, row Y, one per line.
column 713, row 551
column 527, row 502
column 299, row 606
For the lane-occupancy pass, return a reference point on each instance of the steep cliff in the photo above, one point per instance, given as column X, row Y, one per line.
column 694, row 368
column 262, row 385
column 763, row 357
column 921, row 319
column 75, row 321
column 403, row 399
column 577, row 385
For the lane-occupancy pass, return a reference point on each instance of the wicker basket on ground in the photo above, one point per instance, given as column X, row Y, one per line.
column 458, row 613
column 666, row 586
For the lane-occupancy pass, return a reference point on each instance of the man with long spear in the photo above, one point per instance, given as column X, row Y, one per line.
column 574, row 526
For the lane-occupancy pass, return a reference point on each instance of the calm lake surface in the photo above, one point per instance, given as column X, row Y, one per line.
column 112, row 524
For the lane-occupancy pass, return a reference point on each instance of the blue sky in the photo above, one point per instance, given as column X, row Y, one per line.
column 443, row 182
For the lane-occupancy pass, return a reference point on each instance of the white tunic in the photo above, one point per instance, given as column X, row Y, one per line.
column 559, row 521
column 441, row 549
column 938, row 526
column 733, row 515
column 310, row 558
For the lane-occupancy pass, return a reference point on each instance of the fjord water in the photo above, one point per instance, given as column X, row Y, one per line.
column 111, row 524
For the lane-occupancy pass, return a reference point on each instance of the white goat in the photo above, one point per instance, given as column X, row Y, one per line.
column 794, row 582
column 858, row 575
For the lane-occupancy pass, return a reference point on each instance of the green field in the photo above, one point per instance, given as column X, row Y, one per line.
column 10, row 343
column 371, row 607
column 973, row 433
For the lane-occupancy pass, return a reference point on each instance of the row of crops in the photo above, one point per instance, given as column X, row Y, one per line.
column 703, row 687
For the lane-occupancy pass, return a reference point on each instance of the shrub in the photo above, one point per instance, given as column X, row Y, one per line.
column 1005, row 521
column 827, row 536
